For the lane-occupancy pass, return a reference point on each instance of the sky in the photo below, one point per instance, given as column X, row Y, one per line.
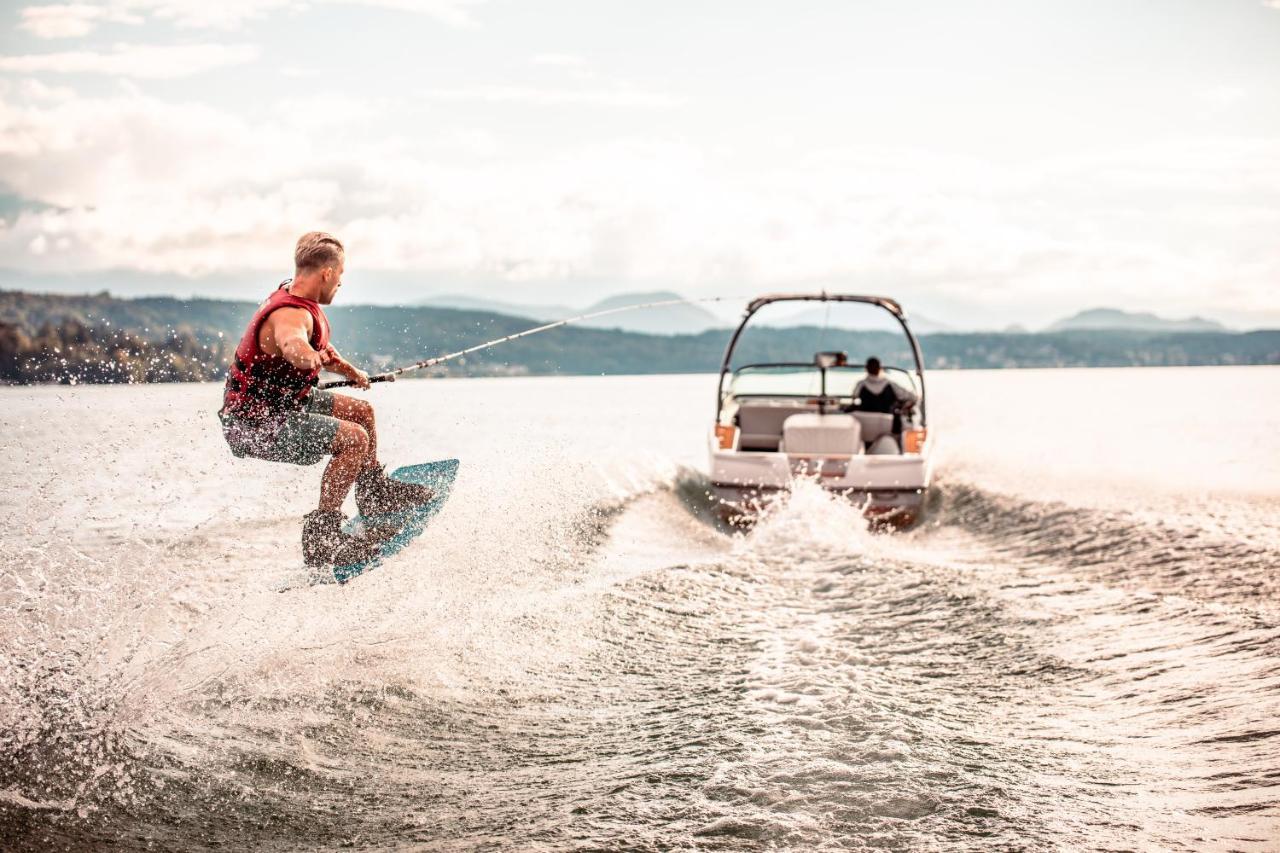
column 985, row 163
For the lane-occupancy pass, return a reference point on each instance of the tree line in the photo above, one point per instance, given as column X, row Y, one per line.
column 72, row 352
column 101, row 339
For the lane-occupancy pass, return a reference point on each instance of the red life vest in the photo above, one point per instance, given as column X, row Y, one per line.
column 259, row 384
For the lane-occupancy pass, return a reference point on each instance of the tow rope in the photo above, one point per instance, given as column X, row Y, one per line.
column 390, row 376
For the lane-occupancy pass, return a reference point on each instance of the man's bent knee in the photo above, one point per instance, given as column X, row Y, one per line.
column 353, row 409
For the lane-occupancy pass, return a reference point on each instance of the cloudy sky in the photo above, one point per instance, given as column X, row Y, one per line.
column 985, row 162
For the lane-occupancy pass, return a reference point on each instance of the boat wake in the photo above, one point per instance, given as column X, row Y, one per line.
column 587, row 656
column 1204, row 558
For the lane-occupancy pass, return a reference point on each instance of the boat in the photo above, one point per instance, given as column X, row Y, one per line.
column 777, row 422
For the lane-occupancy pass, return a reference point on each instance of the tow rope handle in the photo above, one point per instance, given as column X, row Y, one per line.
column 347, row 383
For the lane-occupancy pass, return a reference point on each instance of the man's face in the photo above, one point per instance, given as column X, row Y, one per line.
column 332, row 281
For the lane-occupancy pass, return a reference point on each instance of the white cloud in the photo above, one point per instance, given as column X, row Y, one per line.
column 142, row 61
column 131, row 181
column 1218, row 101
column 456, row 13
column 71, row 20
column 36, row 91
column 78, row 19
column 563, row 60
column 1271, row 4
column 612, row 97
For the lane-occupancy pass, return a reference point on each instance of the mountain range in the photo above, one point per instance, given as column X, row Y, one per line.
column 1113, row 318
column 100, row 338
column 684, row 319
column 692, row 319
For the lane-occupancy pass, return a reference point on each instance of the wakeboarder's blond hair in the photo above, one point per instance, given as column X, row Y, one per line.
column 317, row 250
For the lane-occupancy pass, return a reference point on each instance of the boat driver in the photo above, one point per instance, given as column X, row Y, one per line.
column 876, row 393
column 270, row 409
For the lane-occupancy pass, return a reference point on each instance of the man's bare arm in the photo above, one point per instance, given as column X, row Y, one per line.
column 287, row 333
column 334, row 361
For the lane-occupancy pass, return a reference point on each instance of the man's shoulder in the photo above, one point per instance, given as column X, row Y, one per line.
column 291, row 314
column 282, row 320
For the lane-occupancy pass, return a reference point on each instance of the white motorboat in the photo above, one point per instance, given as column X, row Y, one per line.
column 777, row 421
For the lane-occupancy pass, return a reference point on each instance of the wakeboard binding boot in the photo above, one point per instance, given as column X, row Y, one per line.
column 325, row 546
column 377, row 494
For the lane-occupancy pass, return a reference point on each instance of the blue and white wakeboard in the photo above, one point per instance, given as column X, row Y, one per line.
column 408, row 524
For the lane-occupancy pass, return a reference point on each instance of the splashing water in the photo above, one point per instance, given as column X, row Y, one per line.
column 1072, row 650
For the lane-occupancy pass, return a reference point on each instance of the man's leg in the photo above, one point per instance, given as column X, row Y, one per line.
column 360, row 412
column 350, row 454
column 323, row 542
column 376, row 493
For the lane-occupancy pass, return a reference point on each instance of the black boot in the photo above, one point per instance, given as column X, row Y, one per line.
column 376, row 493
column 324, row 544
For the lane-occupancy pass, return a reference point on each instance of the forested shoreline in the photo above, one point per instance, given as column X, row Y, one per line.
column 102, row 339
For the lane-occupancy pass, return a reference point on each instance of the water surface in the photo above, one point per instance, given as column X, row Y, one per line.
column 1078, row 648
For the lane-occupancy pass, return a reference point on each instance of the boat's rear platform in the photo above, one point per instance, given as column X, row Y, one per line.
column 890, row 489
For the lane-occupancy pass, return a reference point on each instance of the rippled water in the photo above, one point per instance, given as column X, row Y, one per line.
column 1078, row 649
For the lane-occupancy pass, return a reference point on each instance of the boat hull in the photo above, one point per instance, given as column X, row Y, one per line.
column 742, row 505
column 890, row 488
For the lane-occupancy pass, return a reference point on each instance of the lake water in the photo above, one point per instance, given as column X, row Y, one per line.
column 1079, row 647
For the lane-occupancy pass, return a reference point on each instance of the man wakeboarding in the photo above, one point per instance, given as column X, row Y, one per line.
column 271, row 409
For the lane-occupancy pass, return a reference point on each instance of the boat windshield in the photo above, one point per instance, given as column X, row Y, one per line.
column 805, row 380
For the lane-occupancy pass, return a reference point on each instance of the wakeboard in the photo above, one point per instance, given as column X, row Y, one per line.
column 407, row 524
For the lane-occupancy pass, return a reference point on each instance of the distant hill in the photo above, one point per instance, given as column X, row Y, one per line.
column 1114, row 318
column 512, row 309
column 99, row 338
column 877, row 318
column 684, row 319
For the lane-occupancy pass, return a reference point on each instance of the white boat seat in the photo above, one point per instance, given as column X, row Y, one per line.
column 760, row 422
column 885, row 445
column 811, row 432
column 874, row 425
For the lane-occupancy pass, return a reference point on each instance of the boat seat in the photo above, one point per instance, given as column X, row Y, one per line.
column 885, row 445
column 874, row 425
column 820, row 434
column 760, row 422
